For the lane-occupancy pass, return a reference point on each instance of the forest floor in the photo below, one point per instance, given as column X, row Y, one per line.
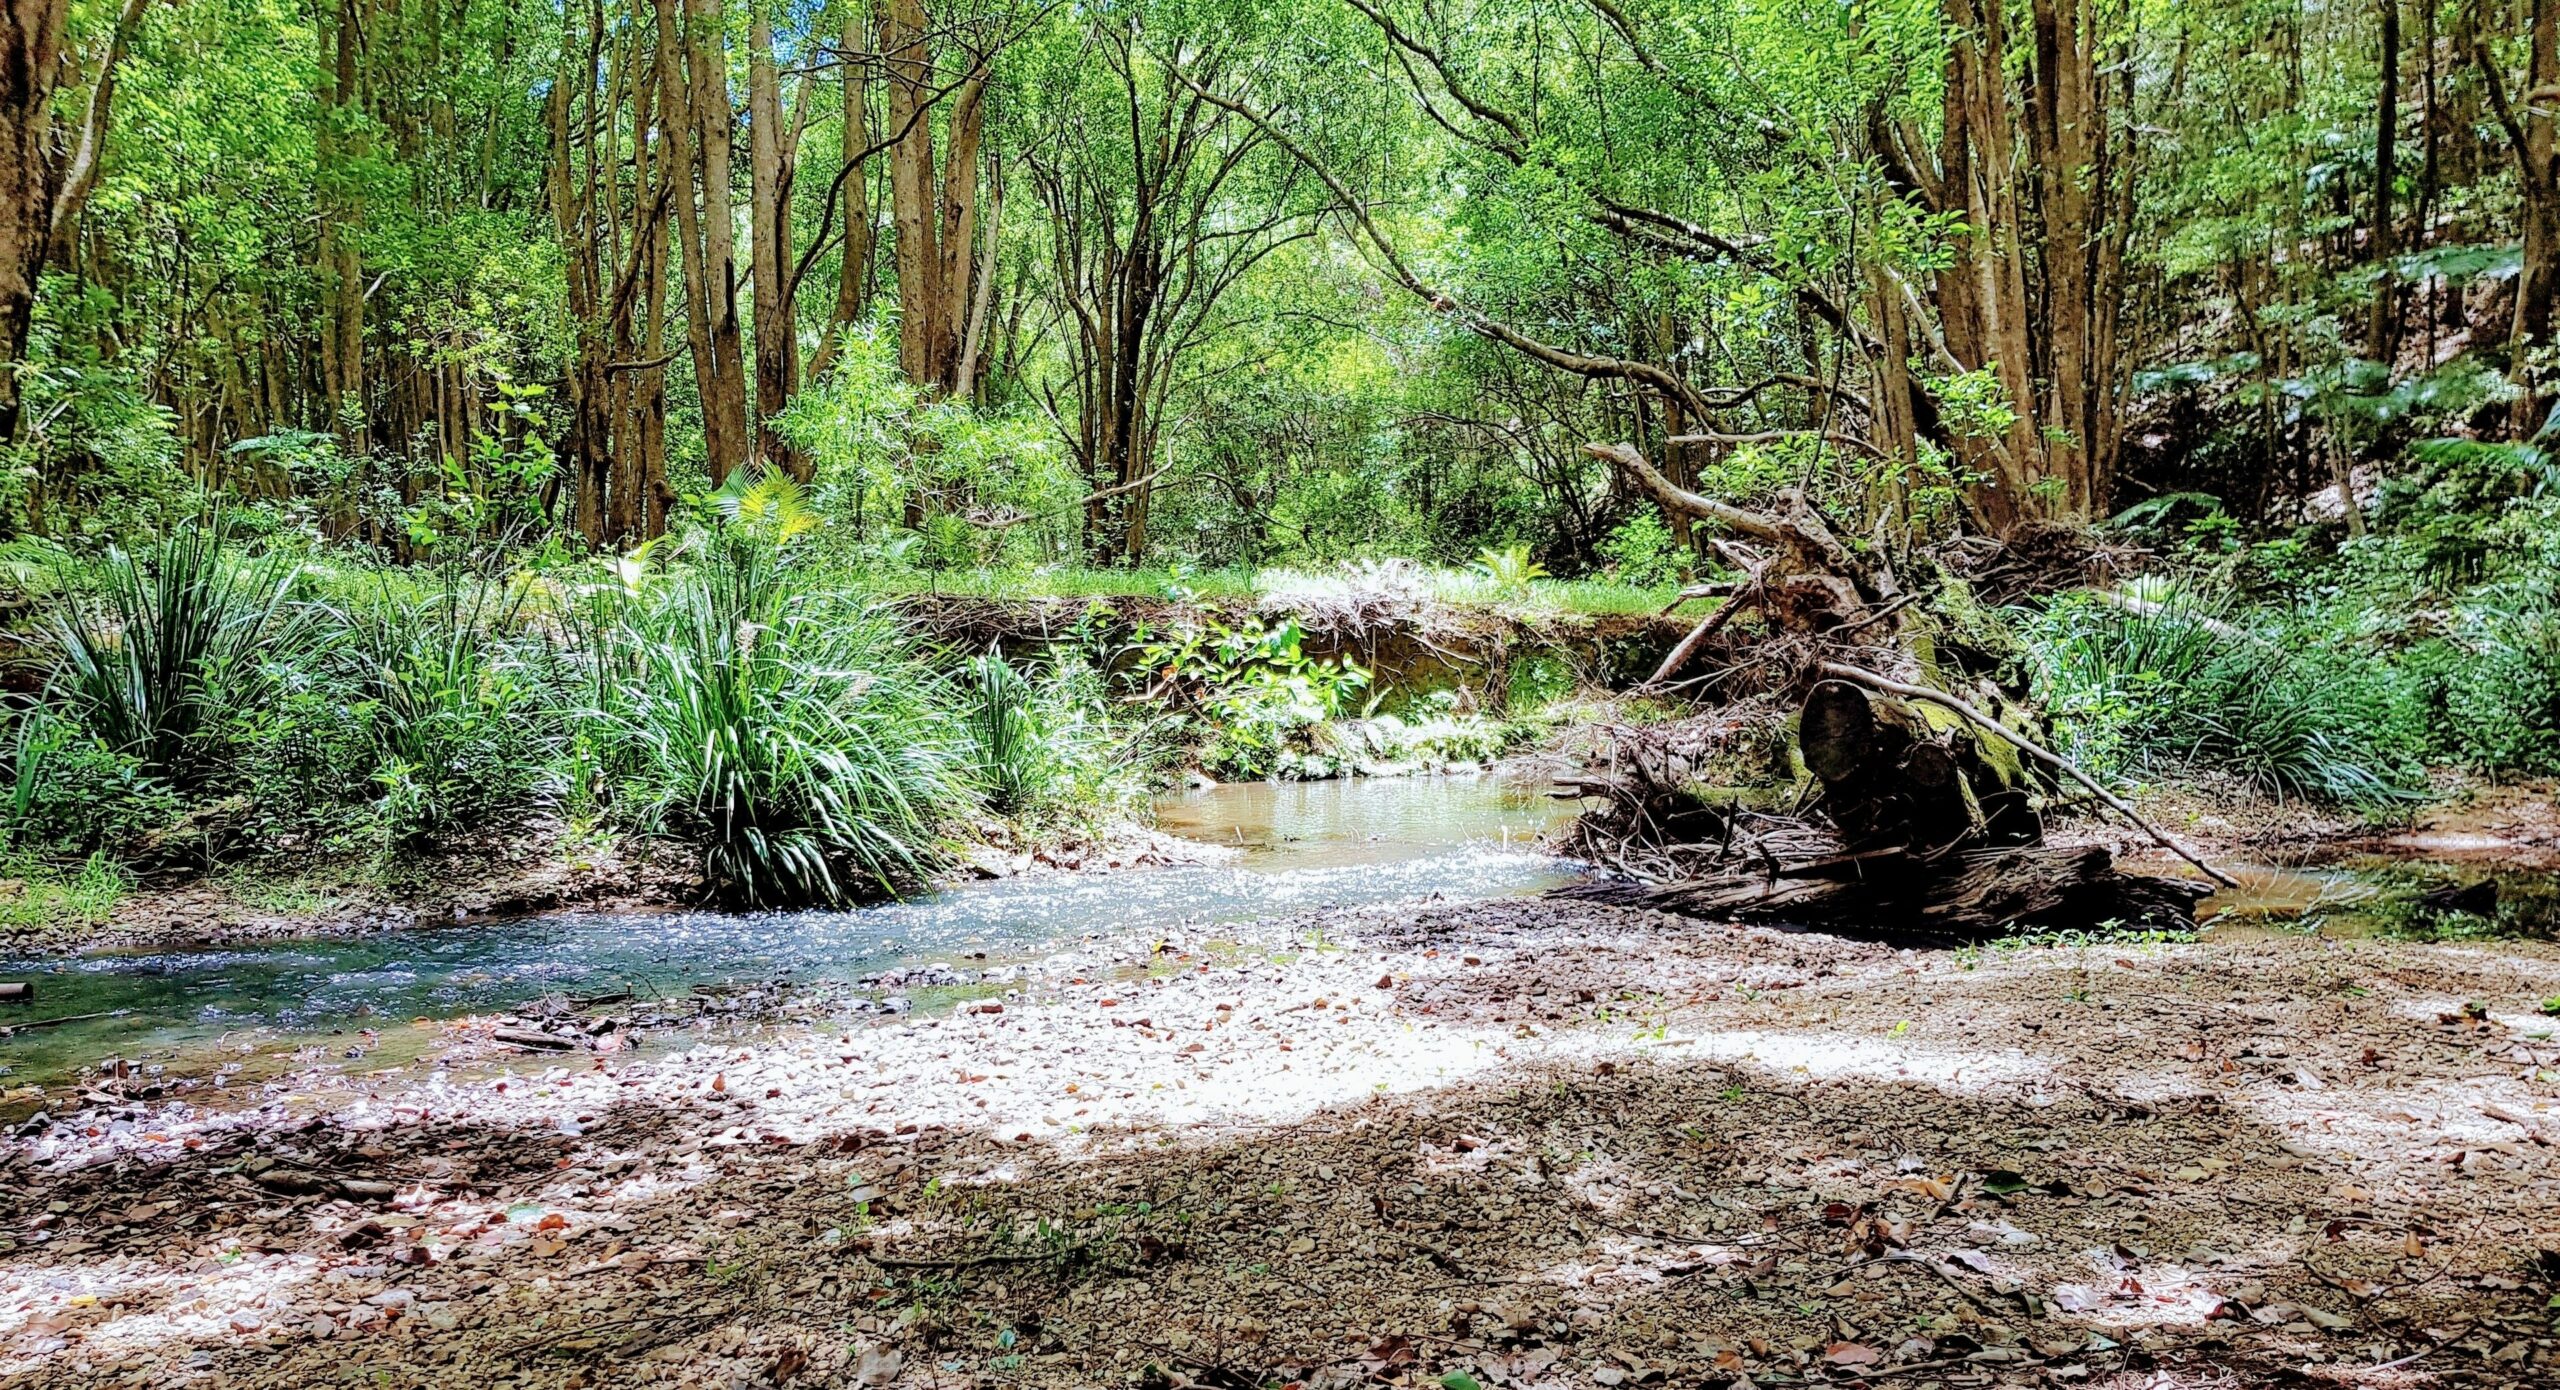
column 1515, row 1143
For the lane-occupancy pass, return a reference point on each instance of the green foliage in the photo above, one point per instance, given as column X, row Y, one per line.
column 156, row 642
column 1536, row 680
column 36, row 896
column 460, row 717
column 885, row 453
column 795, row 740
column 1509, row 568
column 1432, row 736
column 2180, row 688
column 1642, row 551
column 71, row 795
column 1042, row 742
column 1251, row 689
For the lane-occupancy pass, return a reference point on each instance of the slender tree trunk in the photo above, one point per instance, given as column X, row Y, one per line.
column 911, row 193
column 694, row 86
column 853, row 276
column 2538, row 286
column 341, row 268
column 773, row 152
column 2381, row 332
column 30, row 64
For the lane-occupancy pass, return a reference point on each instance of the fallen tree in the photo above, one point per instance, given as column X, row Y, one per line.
column 1861, row 773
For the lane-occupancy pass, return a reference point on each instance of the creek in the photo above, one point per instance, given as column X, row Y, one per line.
column 1281, row 848
column 1284, row 847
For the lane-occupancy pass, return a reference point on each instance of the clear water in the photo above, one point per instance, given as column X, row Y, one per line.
column 2404, row 899
column 1300, row 846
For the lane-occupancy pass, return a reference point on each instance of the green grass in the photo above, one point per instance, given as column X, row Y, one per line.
column 162, row 639
column 788, row 736
column 35, row 896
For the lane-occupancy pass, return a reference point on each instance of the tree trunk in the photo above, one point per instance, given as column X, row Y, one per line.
column 2531, row 135
column 2381, row 331
column 693, row 81
column 30, row 64
column 340, row 266
column 773, row 145
column 933, row 204
column 853, row 275
column 1907, row 899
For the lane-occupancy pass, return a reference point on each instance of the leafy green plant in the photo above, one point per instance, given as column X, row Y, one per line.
column 795, row 741
column 461, row 724
column 1642, row 551
column 1008, row 751
column 1043, row 740
column 1252, row 689
column 167, row 636
column 2172, row 684
column 1509, row 568
column 70, row 794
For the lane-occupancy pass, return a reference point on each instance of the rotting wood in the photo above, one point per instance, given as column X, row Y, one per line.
column 527, row 1038
column 2034, row 750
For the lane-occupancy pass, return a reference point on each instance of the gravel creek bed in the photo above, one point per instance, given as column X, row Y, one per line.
column 1514, row 1143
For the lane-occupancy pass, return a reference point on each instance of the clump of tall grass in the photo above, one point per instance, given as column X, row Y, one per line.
column 462, row 718
column 1042, row 743
column 2169, row 684
column 151, row 645
column 794, row 739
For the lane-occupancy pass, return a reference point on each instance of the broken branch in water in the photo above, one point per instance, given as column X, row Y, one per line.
column 57, row 1022
column 2030, row 747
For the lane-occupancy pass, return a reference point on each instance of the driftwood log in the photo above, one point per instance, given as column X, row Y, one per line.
column 1908, row 805
column 1893, row 776
column 1897, row 895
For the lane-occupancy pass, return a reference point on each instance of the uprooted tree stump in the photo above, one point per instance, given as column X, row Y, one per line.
column 1904, row 805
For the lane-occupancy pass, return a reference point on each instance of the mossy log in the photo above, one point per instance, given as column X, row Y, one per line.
column 1905, row 775
column 1899, row 895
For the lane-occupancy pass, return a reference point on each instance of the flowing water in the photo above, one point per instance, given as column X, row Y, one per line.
column 1296, row 846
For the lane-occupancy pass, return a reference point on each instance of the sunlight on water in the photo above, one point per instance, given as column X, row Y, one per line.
column 1304, row 846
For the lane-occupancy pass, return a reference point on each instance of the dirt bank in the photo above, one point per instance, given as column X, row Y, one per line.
column 1531, row 1143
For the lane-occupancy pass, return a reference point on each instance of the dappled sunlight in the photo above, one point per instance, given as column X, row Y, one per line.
column 1598, row 1135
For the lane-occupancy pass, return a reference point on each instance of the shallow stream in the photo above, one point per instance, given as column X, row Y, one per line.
column 1289, row 847
column 1294, row 847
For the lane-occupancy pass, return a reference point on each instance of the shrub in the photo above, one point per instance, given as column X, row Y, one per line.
column 1643, row 552
column 2177, row 686
column 71, row 795
column 1254, row 690
column 1042, row 742
column 462, row 724
column 172, row 635
column 789, row 738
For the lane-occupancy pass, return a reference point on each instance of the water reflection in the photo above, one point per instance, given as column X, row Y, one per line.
column 1303, row 846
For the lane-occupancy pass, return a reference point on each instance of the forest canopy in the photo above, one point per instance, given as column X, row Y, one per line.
column 1227, row 283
